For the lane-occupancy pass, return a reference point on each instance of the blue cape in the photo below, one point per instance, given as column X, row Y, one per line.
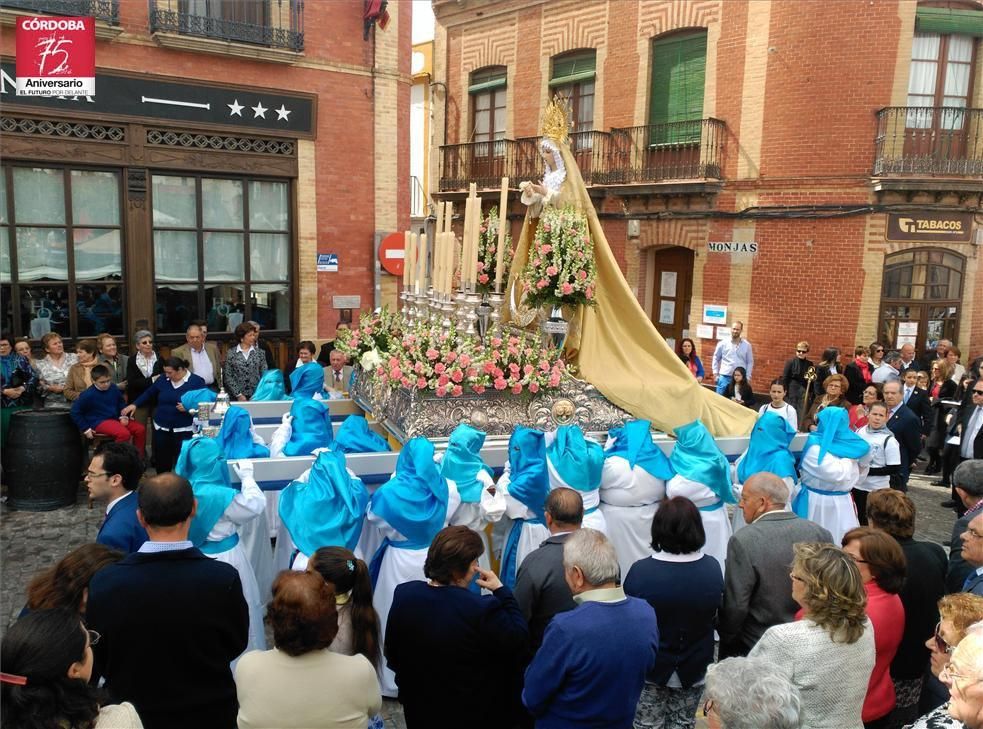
column 354, row 436
column 633, row 442
column 202, row 463
column 270, row 387
column 236, row 438
column 311, row 427
column 833, row 435
column 191, row 398
column 306, row 380
column 462, row 462
column 414, row 500
column 328, row 510
column 529, row 481
column 697, row 457
column 579, row 462
column 768, row 449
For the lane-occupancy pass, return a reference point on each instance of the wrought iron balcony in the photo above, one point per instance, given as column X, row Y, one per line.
column 675, row 151
column 932, row 140
column 484, row 163
column 105, row 10
column 270, row 23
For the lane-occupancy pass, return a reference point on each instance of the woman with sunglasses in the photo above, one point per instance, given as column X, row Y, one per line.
column 882, row 567
column 957, row 613
column 47, row 665
column 828, row 654
column 794, row 375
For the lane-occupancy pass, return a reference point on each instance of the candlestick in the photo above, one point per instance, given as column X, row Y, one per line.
column 503, row 204
column 496, row 299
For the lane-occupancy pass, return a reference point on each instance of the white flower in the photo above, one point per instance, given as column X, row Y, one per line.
column 371, row 359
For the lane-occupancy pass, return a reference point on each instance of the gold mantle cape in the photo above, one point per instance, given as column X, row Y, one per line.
column 616, row 347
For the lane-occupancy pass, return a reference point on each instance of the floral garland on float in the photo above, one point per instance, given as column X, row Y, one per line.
column 377, row 333
column 450, row 363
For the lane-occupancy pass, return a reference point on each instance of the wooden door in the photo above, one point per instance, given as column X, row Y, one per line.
column 672, row 286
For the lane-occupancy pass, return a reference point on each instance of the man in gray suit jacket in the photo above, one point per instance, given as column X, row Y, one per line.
column 967, row 481
column 540, row 587
column 757, row 586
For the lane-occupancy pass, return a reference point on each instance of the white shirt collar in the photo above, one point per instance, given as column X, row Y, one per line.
column 176, row 385
column 773, row 511
column 154, row 547
column 670, row 557
column 245, row 352
column 979, row 570
column 111, row 504
column 601, row 594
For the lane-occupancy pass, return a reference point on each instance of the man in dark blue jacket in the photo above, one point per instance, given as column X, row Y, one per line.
column 171, row 620
column 114, row 472
column 905, row 425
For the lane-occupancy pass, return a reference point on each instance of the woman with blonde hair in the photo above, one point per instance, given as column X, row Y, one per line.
column 794, row 375
column 964, row 677
column 828, row 654
column 942, row 389
column 834, row 395
column 80, row 374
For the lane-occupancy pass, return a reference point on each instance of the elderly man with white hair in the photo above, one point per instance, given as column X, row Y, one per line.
column 592, row 665
column 750, row 693
column 964, row 677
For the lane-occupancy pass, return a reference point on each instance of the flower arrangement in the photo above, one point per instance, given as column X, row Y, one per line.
column 487, row 252
column 377, row 333
column 450, row 364
column 561, row 269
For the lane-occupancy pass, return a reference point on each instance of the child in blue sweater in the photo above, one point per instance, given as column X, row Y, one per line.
column 98, row 410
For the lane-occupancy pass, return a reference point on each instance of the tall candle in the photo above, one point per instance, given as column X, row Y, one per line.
column 503, row 203
column 411, row 263
column 406, row 258
column 466, row 241
column 424, row 259
column 448, row 217
column 447, row 262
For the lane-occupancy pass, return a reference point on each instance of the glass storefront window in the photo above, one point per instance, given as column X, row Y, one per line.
column 64, row 262
column 210, row 259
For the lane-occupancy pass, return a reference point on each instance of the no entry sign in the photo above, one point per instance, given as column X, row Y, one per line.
column 392, row 253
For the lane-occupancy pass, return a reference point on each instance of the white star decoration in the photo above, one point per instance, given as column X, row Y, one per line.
column 259, row 110
column 235, row 108
column 282, row 113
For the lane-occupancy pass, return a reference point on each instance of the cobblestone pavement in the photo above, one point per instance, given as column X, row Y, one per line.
column 31, row 541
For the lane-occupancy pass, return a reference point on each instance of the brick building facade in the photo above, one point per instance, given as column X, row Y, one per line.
column 767, row 157
column 228, row 144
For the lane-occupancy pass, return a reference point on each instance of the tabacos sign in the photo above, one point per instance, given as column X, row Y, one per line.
column 930, row 227
column 56, row 56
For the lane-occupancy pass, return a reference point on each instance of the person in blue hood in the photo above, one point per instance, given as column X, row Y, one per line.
column 222, row 510
column 525, row 484
column 354, row 436
column 304, row 429
column 767, row 450
column 307, row 381
column 633, row 483
column 577, row 463
column 703, row 476
column 270, row 387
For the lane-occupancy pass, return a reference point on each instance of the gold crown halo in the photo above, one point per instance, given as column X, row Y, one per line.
column 556, row 120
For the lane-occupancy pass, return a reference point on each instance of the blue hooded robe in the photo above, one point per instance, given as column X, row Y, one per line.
column 236, row 438
column 269, row 387
column 306, row 381
column 354, row 436
column 462, row 462
column 202, row 463
column 529, row 484
column 311, row 427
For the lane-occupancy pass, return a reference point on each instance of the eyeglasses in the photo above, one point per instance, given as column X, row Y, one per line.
column 977, row 392
column 707, row 707
column 947, row 673
column 940, row 642
column 856, row 559
column 878, row 351
column 93, row 474
column 802, row 351
column 972, row 533
column 94, row 637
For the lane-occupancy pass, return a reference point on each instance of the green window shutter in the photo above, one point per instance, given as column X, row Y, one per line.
column 486, row 79
column 946, row 20
column 678, row 75
column 574, row 67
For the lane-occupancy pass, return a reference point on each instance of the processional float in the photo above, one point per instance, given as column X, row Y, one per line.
column 542, row 334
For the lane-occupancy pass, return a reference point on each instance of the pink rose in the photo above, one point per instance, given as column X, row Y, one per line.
column 421, row 383
column 472, row 372
column 514, row 368
column 457, row 391
column 393, row 361
column 404, row 381
column 534, row 387
column 542, row 283
column 546, row 227
column 396, row 373
column 418, row 368
column 439, row 368
column 498, row 372
column 483, row 278
column 500, row 383
column 547, row 248
column 432, row 354
column 589, row 293
column 441, row 391
column 481, row 265
column 457, row 376
column 443, row 381
column 581, row 274
column 517, row 389
column 528, row 370
column 544, row 365
column 380, row 371
column 536, row 262
column 554, row 380
column 496, row 342
column 479, row 389
column 552, row 270
column 566, row 289
column 489, row 368
column 464, row 361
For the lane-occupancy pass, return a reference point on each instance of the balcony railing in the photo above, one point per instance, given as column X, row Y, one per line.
column 675, row 151
column 105, row 10
column 633, row 155
column 931, row 140
column 270, row 23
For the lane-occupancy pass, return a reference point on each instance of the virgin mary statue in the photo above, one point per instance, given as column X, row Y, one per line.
column 613, row 344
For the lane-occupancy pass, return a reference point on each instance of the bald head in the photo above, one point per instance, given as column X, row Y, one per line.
column 769, row 486
column 564, row 510
column 166, row 501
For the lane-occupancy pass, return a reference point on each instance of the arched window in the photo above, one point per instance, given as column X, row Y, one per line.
column 921, row 297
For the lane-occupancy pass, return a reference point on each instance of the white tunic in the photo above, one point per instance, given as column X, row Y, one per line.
column 246, row 505
column 477, row 516
column 785, row 411
column 884, row 451
column 715, row 522
column 398, row 566
column 629, row 499
column 836, row 512
column 532, row 535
